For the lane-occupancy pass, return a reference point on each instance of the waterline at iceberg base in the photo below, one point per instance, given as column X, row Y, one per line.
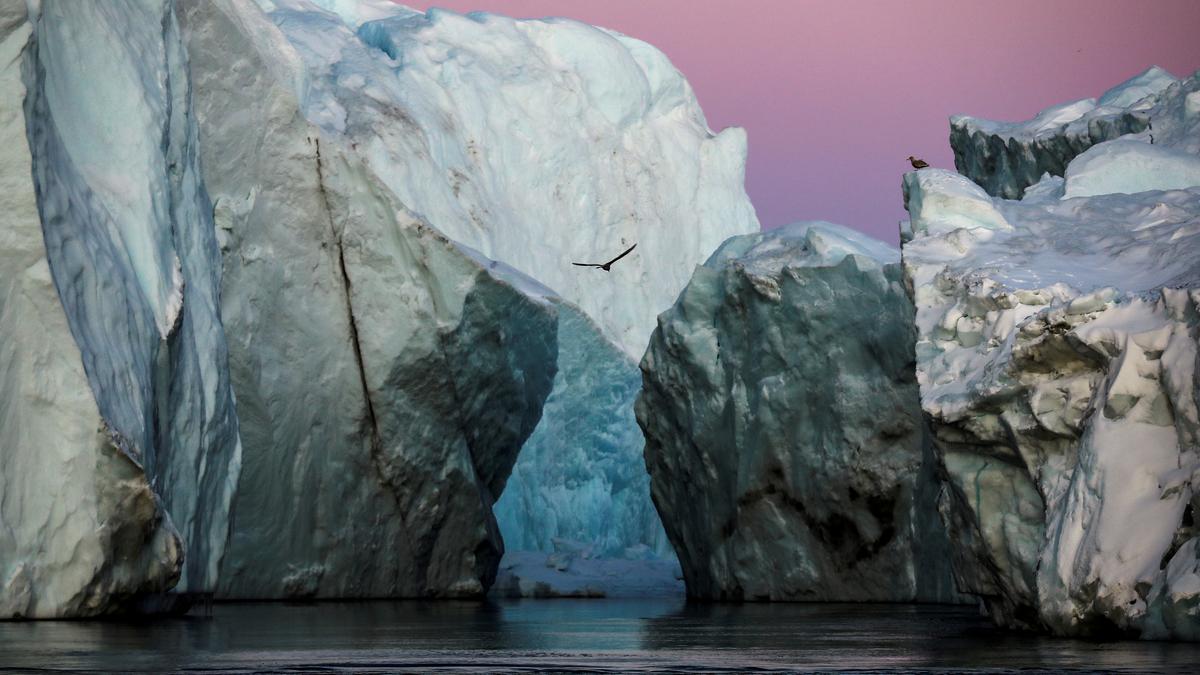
column 289, row 314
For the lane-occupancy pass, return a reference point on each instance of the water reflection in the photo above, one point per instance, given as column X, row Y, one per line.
column 618, row 635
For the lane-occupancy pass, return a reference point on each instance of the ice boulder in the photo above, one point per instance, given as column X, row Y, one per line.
column 1007, row 157
column 1057, row 364
column 784, row 439
column 386, row 377
column 122, row 442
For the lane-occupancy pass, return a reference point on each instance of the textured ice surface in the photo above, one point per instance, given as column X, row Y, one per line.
column 80, row 529
column 1128, row 166
column 386, row 378
column 580, row 476
column 783, row 430
column 539, row 143
column 130, row 246
column 1007, row 157
column 536, row 142
column 1056, row 358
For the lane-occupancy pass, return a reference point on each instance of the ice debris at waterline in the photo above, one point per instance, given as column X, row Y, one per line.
column 784, row 439
column 1057, row 360
column 574, row 571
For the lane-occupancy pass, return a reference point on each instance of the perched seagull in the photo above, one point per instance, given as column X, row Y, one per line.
column 608, row 264
column 918, row 163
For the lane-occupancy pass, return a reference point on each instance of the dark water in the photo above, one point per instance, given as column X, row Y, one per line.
column 566, row 635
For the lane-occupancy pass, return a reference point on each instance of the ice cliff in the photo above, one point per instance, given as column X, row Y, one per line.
column 538, row 143
column 783, row 430
column 1057, row 360
column 1007, row 157
column 386, row 377
column 94, row 464
column 259, row 340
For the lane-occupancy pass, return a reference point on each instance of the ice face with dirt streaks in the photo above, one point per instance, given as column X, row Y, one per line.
column 540, row 143
column 386, row 377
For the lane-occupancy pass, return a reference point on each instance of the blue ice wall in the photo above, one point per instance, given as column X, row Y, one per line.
column 581, row 475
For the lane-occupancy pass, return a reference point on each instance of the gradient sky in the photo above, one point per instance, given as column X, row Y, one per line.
column 835, row 94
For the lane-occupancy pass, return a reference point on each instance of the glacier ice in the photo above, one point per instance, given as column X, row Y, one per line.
column 82, row 530
column 1007, row 157
column 1056, row 358
column 783, row 430
column 537, row 143
column 251, row 202
column 129, row 244
column 385, row 377
column 580, row 476
column 464, row 119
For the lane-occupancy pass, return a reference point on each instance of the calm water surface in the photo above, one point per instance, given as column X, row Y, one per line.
column 566, row 635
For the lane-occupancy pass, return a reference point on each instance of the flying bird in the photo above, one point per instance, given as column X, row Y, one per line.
column 608, row 264
column 918, row 163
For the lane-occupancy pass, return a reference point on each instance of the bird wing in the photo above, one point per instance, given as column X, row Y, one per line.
column 585, row 264
column 622, row 255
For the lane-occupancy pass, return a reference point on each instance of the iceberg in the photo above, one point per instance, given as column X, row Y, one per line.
column 1007, row 157
column 238, row 364
column 538, row 143
column 386, row 377
column 1056, row 359
column 784, row 440
column 127, row 238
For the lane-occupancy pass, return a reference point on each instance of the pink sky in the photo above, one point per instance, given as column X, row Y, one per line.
column 835, row 94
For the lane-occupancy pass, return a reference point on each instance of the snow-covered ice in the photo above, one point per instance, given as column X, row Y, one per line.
column 1129, row 166
column 784, row 438
column 1056, row 357
column 1007, row 157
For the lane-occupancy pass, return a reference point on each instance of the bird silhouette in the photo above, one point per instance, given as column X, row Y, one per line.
column 607, row 265
column 917, row 163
